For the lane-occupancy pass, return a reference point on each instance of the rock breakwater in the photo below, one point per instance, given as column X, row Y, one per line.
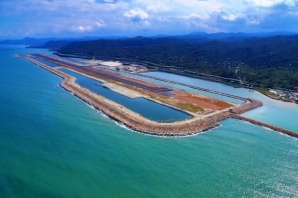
column 136, row 122
column 262, row 124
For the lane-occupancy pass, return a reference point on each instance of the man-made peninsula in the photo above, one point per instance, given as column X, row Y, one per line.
column 206, row 112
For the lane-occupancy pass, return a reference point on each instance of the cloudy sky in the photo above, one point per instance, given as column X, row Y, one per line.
column 64, row 18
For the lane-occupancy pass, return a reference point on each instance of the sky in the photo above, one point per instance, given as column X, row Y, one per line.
column 78, row 18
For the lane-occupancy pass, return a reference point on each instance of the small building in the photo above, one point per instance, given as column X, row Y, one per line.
column 273, row 91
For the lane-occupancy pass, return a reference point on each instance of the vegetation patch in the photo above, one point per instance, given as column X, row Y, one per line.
column 266, row 92
column 270, row 61
column 189, row 107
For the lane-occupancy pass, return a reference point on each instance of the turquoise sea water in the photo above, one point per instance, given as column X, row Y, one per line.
column 54, row 145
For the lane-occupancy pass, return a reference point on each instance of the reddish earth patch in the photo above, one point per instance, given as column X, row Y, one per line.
column 202, row 101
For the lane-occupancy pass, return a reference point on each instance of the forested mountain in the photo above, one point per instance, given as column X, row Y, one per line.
column 26, row 41
column 272, row 61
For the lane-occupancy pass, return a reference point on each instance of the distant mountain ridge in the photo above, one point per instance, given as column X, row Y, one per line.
column 267, row 59
column 219, row 35
column 270, row 61
column 38, row 42
column 26, row 41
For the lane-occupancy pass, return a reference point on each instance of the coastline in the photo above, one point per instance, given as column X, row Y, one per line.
column 274, row 98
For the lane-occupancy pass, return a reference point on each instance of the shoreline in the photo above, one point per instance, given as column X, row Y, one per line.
column 140, row 124
column 277, row 99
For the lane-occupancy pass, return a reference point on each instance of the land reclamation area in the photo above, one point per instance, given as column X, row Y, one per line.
column 206, row 112
column 191, row 103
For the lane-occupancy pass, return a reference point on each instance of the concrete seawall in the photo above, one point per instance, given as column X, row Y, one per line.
column 138, row 123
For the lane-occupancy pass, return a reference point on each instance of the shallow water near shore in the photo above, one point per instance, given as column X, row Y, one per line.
column 54, row 145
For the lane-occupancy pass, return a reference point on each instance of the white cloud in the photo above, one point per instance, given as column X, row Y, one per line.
column 270, row 3
column 89, row 28
column 81, row 28
column 93, row 17
column 100, row 23
column 136, row 15
column 157, row 7
column 229, row 17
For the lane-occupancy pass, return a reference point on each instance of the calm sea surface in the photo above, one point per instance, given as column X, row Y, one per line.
column 54, row 145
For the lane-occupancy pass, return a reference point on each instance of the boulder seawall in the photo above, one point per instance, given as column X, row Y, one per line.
column 138, row 123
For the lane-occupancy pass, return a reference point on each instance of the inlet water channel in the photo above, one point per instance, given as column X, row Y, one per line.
column 181, row 80
column 144, row 107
